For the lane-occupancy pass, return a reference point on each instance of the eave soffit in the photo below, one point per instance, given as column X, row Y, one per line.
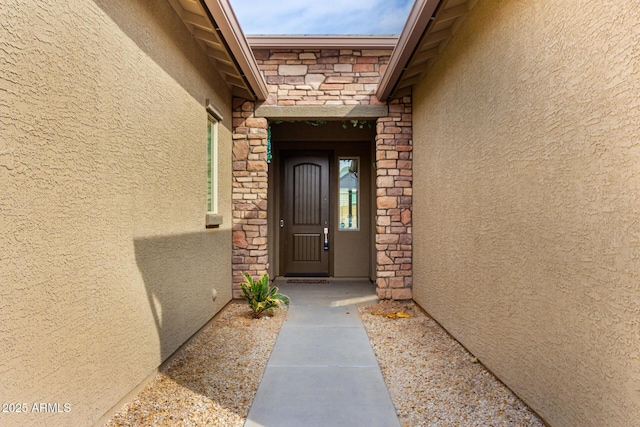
column 430, row 26
column 216, row 29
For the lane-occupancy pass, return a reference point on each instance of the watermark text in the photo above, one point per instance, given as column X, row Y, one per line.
column 29, row 408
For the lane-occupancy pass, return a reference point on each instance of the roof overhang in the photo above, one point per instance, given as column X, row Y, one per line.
column 322, row 42
column 429, row 27
column 216, row 29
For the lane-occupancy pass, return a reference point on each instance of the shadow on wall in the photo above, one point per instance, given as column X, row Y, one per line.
column 180, row 273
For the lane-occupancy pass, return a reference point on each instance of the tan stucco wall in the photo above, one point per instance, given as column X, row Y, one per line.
column 105, row 263
column 527, row 177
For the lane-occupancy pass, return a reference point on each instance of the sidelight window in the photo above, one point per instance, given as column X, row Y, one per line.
column 349, row 193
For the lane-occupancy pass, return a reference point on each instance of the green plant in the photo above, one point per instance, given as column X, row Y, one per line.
column 260, row 296
column 357, row 123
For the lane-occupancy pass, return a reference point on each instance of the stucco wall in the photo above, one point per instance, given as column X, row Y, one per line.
column 526, row 232
column 105, row 263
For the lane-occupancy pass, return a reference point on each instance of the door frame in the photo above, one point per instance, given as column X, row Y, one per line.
column 282, row 188
column 354, row 252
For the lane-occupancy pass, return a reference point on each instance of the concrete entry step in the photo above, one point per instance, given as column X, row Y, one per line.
column 322, row 370
column 328, row 292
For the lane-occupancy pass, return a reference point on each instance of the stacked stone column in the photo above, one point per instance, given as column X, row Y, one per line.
column 393, row 201
column 249, row 193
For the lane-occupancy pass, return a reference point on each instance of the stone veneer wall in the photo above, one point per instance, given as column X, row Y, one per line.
column 323, row 76
column 393, row 201
column 249, row 193
column 297, row 77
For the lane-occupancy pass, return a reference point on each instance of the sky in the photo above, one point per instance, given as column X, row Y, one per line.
column 326, row 17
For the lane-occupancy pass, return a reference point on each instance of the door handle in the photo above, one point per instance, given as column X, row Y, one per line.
column 326, row 238
column 282, row 223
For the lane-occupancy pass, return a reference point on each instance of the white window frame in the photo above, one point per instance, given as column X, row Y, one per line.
column 214, row 117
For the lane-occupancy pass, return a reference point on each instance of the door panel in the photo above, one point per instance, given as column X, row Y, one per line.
column 306, row 247
column 306, row 215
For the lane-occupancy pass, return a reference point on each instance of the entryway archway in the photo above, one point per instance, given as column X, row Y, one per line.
column 389, row 238
column 321, row 206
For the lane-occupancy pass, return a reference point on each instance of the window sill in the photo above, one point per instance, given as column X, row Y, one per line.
column 213, row 220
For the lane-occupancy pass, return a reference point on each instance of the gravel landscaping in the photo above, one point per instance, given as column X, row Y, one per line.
column 431, row 377
column 213, row 380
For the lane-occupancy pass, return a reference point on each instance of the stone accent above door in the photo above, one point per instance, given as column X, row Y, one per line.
column 322, row 76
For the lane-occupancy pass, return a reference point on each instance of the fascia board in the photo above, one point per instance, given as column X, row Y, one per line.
column 322, row 42
column 417, row 22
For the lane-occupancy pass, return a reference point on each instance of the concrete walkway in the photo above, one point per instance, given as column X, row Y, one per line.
column 322, row 370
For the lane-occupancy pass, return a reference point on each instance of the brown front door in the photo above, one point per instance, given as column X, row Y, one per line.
column 304, row 224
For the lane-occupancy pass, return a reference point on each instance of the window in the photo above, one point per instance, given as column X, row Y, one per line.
column 212, row 156
column 349, row 197
column 214, row 116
